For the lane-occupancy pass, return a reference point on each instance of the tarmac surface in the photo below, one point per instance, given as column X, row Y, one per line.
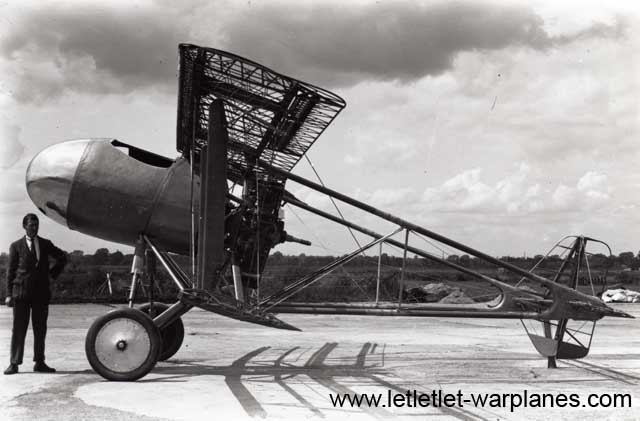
column 232, row 370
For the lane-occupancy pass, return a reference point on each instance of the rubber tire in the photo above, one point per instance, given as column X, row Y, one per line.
column 172, row 335
column 155, row 342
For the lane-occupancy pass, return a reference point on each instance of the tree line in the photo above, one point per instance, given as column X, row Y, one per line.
column 624, row 261
column 105, row 275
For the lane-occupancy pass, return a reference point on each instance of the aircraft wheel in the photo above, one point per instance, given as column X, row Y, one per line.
column 172, row 335
column 123, row 345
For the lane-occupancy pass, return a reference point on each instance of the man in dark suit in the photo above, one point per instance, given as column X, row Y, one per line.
column 28, row 291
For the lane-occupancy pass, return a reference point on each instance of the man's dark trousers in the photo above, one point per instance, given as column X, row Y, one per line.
column 39, row 313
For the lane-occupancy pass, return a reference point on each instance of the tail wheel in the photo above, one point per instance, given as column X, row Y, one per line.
column 172, row 335
column 123, row 345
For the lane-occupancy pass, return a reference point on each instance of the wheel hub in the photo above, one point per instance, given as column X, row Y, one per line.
column 132, row 345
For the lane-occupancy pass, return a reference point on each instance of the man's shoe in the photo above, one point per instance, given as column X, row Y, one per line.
column 12, row 369
column 43, row 368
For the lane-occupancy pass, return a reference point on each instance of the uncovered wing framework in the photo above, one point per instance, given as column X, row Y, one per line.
column 269, row 116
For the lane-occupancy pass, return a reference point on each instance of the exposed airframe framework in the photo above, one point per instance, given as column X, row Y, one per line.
column 240, row 121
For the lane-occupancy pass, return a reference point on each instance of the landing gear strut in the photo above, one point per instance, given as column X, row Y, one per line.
column 172, row 335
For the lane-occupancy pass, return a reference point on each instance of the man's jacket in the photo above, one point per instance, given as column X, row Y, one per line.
column 28, row 277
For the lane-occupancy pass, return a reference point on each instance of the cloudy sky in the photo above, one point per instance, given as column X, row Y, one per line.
column 505, row 126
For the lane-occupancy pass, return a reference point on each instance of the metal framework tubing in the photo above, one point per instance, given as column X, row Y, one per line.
column 503, row 286
column 404, row 265
column 396, row 243
column 181, row 286
column 132, row 290
column 578, row 250
column 378, row 276
column 557, row 288
column 237, row 282
column 171, row 314
column 403, row 223
column 304, row 282
column 150, row 266
column 433, row 311
column 551, row 361
column 565, row 262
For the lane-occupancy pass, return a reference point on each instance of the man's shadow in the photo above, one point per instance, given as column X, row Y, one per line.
column 244, row 371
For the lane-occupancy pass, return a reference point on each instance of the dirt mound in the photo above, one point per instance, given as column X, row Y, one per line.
column 457, row 297
column 437, row 293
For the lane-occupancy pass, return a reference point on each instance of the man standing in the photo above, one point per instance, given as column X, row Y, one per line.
column 28, row 291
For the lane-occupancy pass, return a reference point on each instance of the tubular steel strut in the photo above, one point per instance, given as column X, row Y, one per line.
column 190, row 297
column 567, row 302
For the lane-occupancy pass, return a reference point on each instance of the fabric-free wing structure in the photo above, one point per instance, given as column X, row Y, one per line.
column 269, row 116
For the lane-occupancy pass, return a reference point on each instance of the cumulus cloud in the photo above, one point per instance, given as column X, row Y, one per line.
column 567, row 198
column 93, row 48
column 563, row 197
column 519, row 193
column 592, row 181
column 464, row 192
column 11, row 149
column 385, row 198
column 595, row 186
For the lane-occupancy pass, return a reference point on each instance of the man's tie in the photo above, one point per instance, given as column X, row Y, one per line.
column 32, row 250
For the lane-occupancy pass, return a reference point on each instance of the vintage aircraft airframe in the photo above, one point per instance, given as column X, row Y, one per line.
column 245, row 126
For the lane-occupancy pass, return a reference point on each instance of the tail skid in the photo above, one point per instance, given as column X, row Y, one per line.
column 564, row 343
column 560, row 340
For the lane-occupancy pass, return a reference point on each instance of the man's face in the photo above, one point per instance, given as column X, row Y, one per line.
column 31, row 228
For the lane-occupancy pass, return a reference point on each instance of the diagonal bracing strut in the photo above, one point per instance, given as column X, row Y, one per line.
column 566, row 303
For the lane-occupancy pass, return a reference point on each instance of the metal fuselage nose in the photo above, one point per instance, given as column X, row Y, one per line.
column 50, row 177
column 96, row 187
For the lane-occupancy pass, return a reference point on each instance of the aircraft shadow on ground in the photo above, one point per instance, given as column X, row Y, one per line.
column 606, row 372
column 243, row 372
